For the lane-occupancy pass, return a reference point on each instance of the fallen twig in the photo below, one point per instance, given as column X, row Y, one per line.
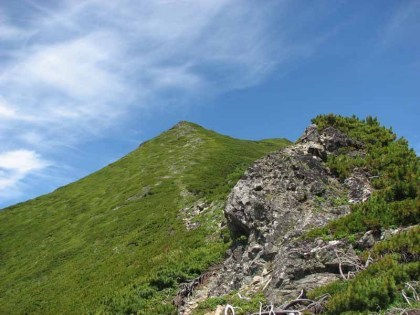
column 402, row 311
column 297, row 301
column 339, row 266
column 229, row 308
column 280, row 312
column 302, row 293
column 268, row 282
column 243, row 297
column 316, row 306
column 409, row 286
column 405, row 297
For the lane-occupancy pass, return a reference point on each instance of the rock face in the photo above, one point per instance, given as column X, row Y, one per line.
column 279, row 198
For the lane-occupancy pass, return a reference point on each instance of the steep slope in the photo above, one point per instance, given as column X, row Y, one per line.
column 121, row 239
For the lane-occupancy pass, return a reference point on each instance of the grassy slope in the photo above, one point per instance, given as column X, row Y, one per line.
column 114, row 242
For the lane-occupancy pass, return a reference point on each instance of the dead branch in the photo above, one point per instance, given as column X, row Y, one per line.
column 302, row 293
column 405, row 297
column 402, row 311
column 355, row 262
column 242, row 297
column 229, row 308
column 318, row 306
column 315, row 306
column 280, row 312
column 410, row 287
column 368, row 261
column 297, row 301
column 268, row 282
column 339, row 266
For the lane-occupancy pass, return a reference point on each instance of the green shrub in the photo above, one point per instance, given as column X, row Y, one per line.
column 405, row 245
column 395, row 175
column 242, row 306
column 374, row 288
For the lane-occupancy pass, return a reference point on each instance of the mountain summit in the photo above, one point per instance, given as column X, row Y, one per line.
column 135, row 228
column 193, row 222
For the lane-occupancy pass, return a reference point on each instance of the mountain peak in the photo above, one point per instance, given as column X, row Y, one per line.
column 185, row 127
column 185, row 124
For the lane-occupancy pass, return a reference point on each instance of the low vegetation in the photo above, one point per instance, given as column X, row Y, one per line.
column 394, row 173
column 242, row 304
column 115, row 241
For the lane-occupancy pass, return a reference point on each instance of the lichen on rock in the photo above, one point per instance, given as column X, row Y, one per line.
column 278, row 199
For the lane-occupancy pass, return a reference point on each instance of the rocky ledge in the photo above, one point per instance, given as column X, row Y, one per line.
column 280, row 198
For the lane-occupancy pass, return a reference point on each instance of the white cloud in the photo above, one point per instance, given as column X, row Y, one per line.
column 9, row 32
column 402, row 24
column 84, row 66
column 72, row 69
column 6, row 111
column 16, row 165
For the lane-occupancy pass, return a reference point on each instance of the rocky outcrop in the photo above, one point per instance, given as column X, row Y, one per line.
column 359, row 186
column 278, row 199
column 190, row 213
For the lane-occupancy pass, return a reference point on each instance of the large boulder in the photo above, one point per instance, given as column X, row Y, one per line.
column 279, row 198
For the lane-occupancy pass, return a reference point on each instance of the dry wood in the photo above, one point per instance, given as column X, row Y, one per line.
column 268, row 282
column 339, row 266
column 315, row 306
column 242, row 297
column 405, row 297
column 229, row 308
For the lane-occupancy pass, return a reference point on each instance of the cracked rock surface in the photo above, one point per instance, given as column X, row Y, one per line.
column 279, row 198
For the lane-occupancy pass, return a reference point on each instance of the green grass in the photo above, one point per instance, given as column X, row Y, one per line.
column 114, row 242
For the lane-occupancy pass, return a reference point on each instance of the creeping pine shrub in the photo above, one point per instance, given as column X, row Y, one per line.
column 374, row 288
column 405, row 246
column 395, row 176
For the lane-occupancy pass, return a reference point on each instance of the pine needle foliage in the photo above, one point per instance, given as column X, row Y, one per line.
column 395, row 176
column 394, row 171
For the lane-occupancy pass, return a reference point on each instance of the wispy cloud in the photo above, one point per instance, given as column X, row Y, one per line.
column 71, row 70
column 15, row 166
column 402, row 23
column 86, row 64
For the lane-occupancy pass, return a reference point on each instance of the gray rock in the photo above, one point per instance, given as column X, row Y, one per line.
column 369, row 239
column 270, row 251
column 278, row 199
column 310, row 134
column 359, row 186
column 333, row 139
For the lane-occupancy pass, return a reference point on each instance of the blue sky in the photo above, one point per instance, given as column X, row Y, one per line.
column 82, row 83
